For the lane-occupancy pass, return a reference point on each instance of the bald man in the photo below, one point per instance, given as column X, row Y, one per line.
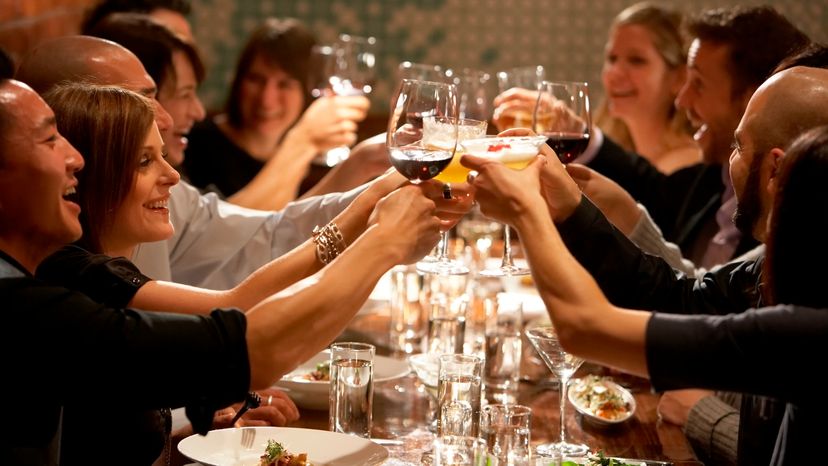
column 785, row 105
column 216, row 244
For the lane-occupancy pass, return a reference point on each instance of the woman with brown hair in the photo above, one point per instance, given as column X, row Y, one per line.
column 258, row 151
column 644, row 69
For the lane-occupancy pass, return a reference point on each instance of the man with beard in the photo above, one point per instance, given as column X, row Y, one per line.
column 784, row 106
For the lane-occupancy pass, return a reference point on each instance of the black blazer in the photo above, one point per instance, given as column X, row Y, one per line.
column 683, row 203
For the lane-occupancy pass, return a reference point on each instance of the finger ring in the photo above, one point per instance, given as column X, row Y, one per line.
column 269, row 399
column 447, row 191
column 471, row 176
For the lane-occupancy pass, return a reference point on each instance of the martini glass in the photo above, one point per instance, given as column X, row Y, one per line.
column 515, row 152
column 563, row 364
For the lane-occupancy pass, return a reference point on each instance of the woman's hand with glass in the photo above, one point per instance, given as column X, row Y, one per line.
column 330, row 121
column 407, row 221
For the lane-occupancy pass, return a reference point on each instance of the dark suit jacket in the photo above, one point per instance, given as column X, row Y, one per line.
column 683, row 204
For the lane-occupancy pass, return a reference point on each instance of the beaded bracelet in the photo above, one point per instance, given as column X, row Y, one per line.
column 329, row 242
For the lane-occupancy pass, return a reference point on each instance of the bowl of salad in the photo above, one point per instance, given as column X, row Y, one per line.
column 601, row 400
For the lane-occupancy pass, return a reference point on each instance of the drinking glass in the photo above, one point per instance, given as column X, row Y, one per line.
column 503, row 347
column 437, row 132
column 446, row 324
column 562, row 115
column 474, row 99
column 420, row 72
column 344, row 68
column 426, row 367
column 458, row 395
column 408, row 315
column 352, row 388
column 506, row 430
column 518, row 115
column 456, row 450
column 563, row 364
column 515, row 152
column 407, row 149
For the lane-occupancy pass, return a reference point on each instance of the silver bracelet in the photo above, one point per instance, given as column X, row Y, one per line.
column 329, row 242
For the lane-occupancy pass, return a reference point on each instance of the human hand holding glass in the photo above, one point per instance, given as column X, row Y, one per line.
column 562, row 115
column 515, row 152
column 345, row 68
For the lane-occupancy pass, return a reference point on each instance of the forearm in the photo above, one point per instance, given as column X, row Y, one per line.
column 290, row 327
column 278, row 181
column 588, row 325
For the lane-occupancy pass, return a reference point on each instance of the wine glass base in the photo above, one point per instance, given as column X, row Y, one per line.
column 571, row 450
column 443, row 267
column 505, row 271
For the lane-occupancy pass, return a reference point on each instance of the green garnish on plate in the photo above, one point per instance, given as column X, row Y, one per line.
column 274, row 450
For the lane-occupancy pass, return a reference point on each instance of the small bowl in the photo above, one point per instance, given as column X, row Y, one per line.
column 603, row 383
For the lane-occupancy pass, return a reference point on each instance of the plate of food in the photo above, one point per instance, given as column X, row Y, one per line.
column 601, row 400
column 280, row 446
column 309, row 383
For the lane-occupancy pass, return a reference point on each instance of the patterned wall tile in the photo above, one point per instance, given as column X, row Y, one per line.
column 566, row 36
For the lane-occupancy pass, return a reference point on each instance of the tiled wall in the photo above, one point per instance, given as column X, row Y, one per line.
column 567, row 36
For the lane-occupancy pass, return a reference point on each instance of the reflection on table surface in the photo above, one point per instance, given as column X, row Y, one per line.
column 401, row 410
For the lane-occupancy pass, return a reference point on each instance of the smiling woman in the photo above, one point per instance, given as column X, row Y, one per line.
column 127, row 179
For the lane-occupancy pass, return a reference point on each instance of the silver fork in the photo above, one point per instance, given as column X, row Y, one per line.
column 248, row 436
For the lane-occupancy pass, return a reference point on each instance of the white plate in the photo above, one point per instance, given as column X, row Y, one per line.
column 588, row 414
column 314, row 394
column 223, row 447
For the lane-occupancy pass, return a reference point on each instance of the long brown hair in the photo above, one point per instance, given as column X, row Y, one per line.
column 664, row 27
column 794, row 270
column 284, row 43
column 108, row 126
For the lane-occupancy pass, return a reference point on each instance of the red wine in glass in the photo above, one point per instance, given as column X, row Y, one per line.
column 568, row 146
column 420, row 164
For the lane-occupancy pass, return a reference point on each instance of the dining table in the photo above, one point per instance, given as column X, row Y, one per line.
column 402, row 409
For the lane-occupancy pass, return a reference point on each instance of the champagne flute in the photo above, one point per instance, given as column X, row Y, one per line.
column 563, row 364
column 562, row 115
column 345, row 68
column 515, row 152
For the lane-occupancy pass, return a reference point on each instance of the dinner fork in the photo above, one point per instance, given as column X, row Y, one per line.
column 248, row 436
column 253, row 400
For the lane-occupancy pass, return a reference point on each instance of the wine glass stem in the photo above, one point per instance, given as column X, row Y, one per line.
column 563, row 382
column 444, row 241
column 507, row 248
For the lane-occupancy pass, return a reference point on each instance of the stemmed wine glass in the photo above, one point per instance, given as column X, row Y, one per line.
column 414, row 102
column 345, row 68
column 562, row 115
column 563, row 364
column 518, row 114
column 515, row 152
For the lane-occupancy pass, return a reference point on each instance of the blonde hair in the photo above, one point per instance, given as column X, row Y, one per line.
column 664, row 26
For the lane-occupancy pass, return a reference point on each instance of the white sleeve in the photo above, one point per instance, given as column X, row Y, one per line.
column 647, row 236
column 217, row 244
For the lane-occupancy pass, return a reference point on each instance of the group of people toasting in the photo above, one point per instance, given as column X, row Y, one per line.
column 96, row 223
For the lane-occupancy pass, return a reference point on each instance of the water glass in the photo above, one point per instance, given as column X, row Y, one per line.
column 458, row 395
column 506, row 431
column 352, row 388
column 503, row 348
column 408, row 318
column 446, row 324
column 455, row 450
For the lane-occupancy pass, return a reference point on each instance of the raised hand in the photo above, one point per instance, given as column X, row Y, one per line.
column 514, row 107
column 331, row 121
column 616, row 203
column 407, row 221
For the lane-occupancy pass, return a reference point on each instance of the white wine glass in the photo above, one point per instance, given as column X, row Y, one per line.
column 345, row 68
column 562, row 115
column 515, row 152
column 563, row 364
column 518, row 114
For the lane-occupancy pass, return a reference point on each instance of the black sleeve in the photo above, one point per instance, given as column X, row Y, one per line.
column 768, row 351
column 103, row 356
column 112, row 281
column 667, row 197
column 631, row 278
